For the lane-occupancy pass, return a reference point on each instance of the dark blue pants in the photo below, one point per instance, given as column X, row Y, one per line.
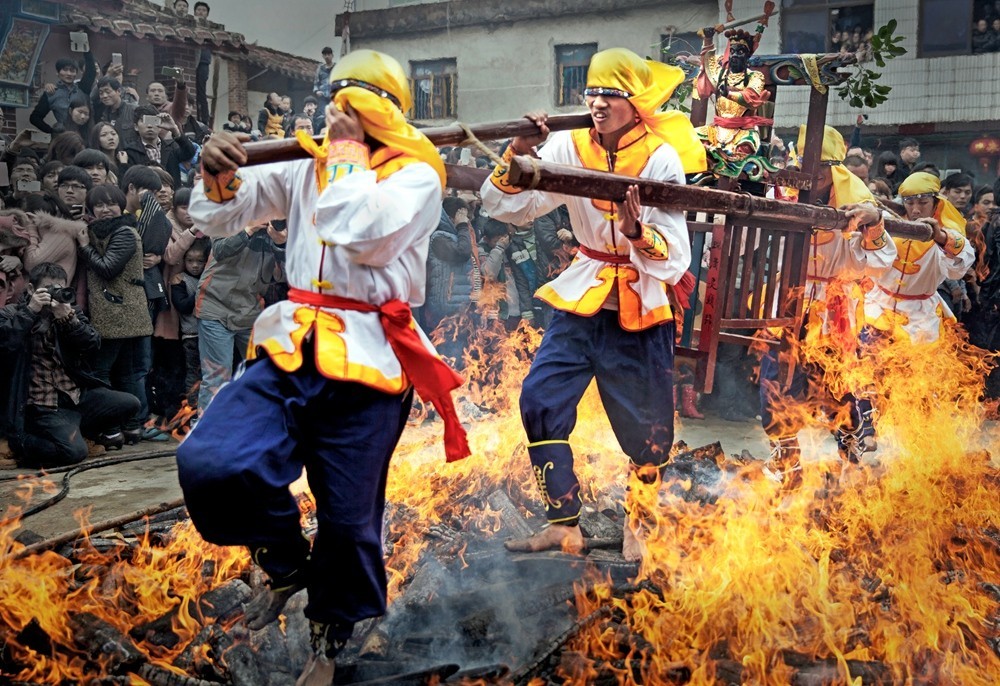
column 252, row 443
column 634, row 372
column 806, row 384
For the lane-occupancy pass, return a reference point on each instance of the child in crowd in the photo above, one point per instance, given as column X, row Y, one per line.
column 183, row 292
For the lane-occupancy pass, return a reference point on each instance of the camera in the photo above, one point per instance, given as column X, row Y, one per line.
column 62, row 295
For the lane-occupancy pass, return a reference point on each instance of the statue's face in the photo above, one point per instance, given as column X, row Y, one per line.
column 739, row 55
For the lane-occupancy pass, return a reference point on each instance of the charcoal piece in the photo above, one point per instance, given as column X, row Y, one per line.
column 226, row 601
column 100, row 640
column 513, row 520
column 417, row 678
column 187, row 658
column 28, row 537
column 242, row 667
column 597, row 525
column 485, row 673
column 270, row 646
column 35, row 637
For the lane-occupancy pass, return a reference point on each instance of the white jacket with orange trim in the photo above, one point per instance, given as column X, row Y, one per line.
column 362, row 239
column 637, row 290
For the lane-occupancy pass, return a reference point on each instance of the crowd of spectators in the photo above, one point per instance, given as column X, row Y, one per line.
column 119, row 317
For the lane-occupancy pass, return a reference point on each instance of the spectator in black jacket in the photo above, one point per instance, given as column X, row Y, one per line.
column 52, row 402
column 57, row 98
column 109, row 107
column 153, row 144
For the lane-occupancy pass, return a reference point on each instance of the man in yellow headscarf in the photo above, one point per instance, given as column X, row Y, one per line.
column 905, row 301
column 838, row 260
column 331, row 389
column 613, row 318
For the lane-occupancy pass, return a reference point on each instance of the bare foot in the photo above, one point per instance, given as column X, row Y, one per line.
column 633, row 547
column 569, row 539
column 265, row 607
column 318, row 672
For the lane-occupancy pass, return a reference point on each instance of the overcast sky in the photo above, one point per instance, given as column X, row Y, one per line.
column 301, row 27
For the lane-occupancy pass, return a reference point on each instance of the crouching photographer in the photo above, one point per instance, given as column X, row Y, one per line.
column 52, row 402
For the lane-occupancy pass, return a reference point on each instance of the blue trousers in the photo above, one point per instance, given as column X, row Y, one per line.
column 253, row 441
column 634, row 372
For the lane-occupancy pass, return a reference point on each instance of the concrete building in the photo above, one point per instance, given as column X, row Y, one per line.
column 476, row 61
column 943, row 95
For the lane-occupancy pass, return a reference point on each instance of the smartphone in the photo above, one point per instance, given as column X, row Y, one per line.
column 116, row 58
column 41, row 137
column 174, row 72
column 79, row 41
column 4, row 176
column 466, row 157
column 76, row 211
column 150, row 120
column 29, row 186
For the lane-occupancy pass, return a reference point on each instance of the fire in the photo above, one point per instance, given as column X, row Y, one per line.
column 888, row 568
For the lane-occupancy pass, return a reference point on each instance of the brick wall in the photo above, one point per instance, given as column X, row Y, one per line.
column 176, row 55
column 237, row 86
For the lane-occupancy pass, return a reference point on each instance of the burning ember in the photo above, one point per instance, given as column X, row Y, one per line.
column 886, row 573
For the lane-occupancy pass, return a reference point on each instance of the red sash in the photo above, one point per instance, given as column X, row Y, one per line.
column 433, row 379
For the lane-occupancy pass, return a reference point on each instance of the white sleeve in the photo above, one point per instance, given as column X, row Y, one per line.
column 377, row 222
column 665, row 165
column 265, row 193
column 955, row 266
column 522, row 207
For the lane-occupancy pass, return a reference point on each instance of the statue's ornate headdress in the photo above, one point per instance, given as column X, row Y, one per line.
column 741, row 37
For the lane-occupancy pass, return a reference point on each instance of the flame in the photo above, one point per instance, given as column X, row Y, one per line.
column 891, row 563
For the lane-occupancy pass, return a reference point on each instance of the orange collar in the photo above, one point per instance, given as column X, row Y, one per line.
column 633, row 153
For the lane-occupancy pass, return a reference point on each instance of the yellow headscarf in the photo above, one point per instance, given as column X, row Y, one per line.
column 381, row 119
column 922, row 183
column 847, row 188
column 651, row 84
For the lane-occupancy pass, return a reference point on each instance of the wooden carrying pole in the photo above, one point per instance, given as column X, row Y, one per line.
column 287, row 149
column 527, row 172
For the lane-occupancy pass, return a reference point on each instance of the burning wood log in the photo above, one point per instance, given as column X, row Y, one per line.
column 221, row 603
column 104, row 525
column 529, row 172
column 419, row 678
column 264, row 152
column 99, row 639
column 525, row 673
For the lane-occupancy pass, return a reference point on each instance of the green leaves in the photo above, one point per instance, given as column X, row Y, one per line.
column 860, row 90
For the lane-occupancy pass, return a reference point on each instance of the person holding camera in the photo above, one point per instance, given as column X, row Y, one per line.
column 158, row 141
column 52, row 402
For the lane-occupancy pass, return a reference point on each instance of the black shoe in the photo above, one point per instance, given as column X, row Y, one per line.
column 132, row 436
column 111, row 441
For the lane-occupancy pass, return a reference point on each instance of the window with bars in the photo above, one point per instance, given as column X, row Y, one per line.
column 677, row 44
column 434, row 85
column 571, row 72
column 817, row 26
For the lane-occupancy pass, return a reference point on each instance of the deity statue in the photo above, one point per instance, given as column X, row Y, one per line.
column 732, row 140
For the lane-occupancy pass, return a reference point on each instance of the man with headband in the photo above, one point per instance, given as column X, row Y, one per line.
column 332, row 390
column 838, row 260
column 905, row 302
column 614, row 319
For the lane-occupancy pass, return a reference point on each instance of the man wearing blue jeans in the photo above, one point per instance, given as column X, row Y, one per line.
column 240, row 269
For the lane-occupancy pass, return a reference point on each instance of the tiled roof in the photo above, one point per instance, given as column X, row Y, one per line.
column 145, row 19
column 282, row 62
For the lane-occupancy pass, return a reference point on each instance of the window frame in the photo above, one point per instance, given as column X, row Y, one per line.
column 440, row 71
column 558, row 51
column 922, row 53
column 804, row 6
